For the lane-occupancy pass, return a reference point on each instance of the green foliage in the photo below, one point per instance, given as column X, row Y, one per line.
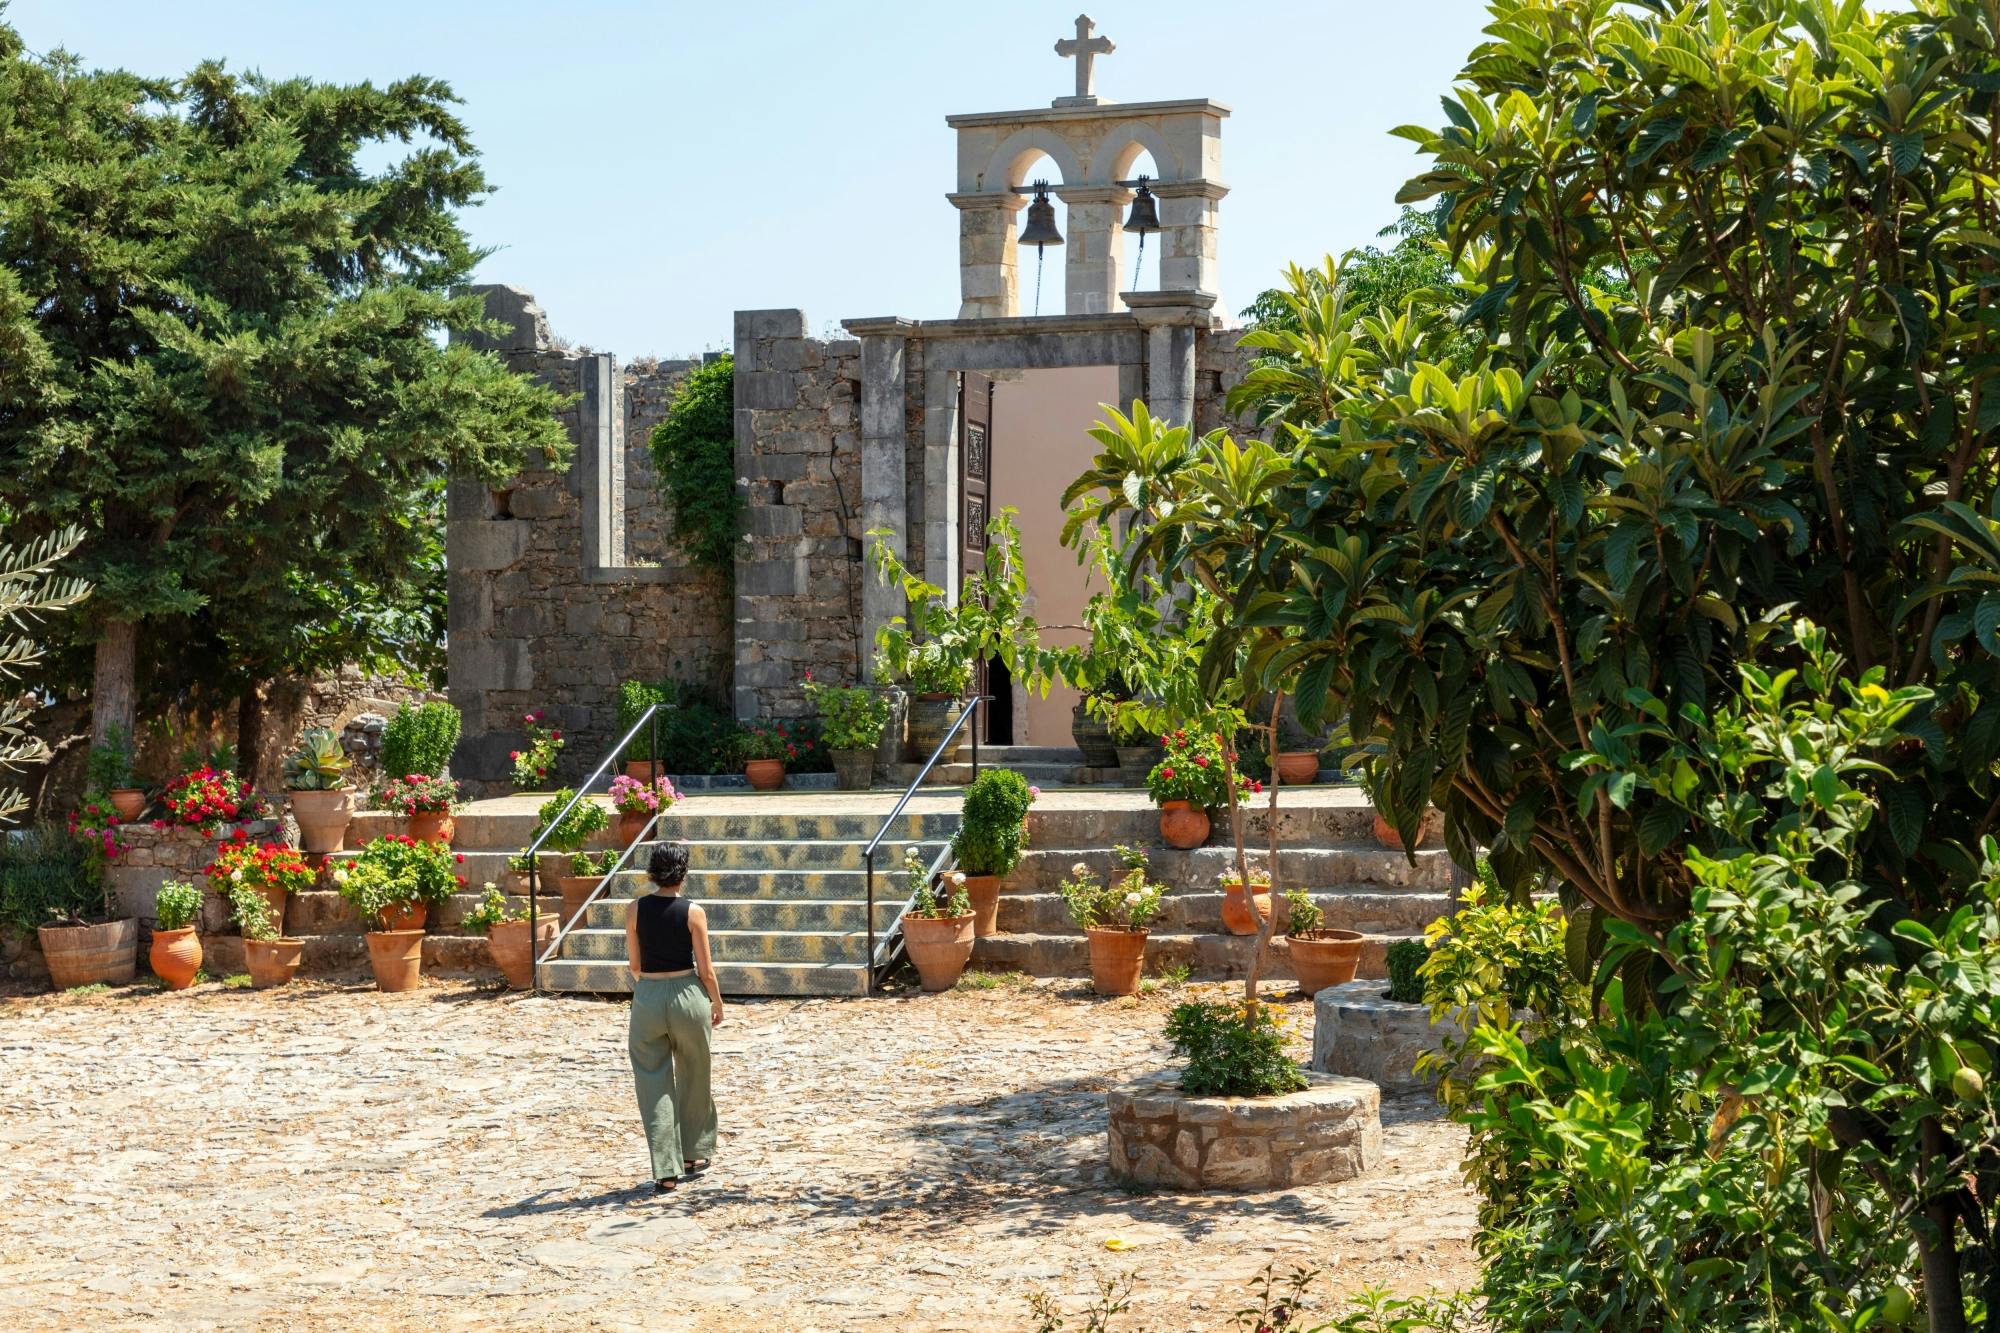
column 176, row 905
column 1302, row 916
column 492, row 911
column 109, row 764
column 47, row 874
column 395, row 870
column 252, row 912
column 694, row 454
column 1369, row 277
column 1279, row 1302
column 29, row 591
column 419, row 740
column 1403, row 959
column 237, row 981
column 935, row 648
column 575, row 828
column 1232, row 1050
column 1194, row 768
column 850, row 717
column 695, row 735
column 593, row 864
column 993, row 831
column 1127, row 901
column 223, row 332
column 927, row 891
column 318, row 764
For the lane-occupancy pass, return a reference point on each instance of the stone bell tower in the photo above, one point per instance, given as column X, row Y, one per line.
column 1094, row 144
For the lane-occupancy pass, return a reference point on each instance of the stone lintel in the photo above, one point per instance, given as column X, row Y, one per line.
column 1100, row 110
column 1188, row 189
column 877, row 325
column 999, row 200
column 1092, row 194
column 1166, row 309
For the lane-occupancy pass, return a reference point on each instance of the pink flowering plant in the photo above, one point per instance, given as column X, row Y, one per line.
column 1196, row 770
column 536, row 764
column 95, row 824
column 630, row 796
column 418, row 794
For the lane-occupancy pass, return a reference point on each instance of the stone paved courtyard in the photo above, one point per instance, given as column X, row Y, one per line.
column 327, row 1157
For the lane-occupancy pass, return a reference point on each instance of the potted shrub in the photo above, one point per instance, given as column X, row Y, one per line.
column 175, row 954
column 316, row 781
column 1243, row 913
column 991, row 835
column 763, row 750
column 269, row 869
column 427, row 802
column 586, row 871
column 269, row 956
column 634, row 697
column 535, row 764
column 1321, row 955
column 419, row 739
column 381, row 885
column 512, row 949
column 420, row 876
column 1232, row 1049
column 1190, row 780
column 83, row 946
column 851, row 721
column 637, row 802
column 937, row 924
column 579, row 826
column 1114, row 915
column 109, row 769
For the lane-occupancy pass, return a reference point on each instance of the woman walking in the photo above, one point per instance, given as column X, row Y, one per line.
column 675, row 1004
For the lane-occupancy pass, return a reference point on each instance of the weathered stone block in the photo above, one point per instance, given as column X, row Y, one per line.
column 484, row 544
column 755, row 324
column 1158, row 1136
column 777, row 520
column 766, row 389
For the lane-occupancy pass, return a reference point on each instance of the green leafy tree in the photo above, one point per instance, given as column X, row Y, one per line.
column 694, row 453
column 30, row 590
column 225, row 364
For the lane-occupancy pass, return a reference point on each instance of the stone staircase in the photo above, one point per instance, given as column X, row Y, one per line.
column 1328, row 850
column 785, row 896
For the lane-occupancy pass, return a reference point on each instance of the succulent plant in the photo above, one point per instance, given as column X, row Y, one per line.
column 319, row 764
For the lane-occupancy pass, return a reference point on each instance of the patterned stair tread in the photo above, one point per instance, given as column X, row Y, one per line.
column 770, row 914
column 1211, row 956
column 779, row 979
column 735, row 946
column 706, row 854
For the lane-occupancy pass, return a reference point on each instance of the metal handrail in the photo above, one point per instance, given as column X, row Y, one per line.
column 652, row 716
column 617, row 869
column 868, row 853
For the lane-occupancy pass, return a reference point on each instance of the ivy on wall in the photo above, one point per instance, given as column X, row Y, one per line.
column 694, row 454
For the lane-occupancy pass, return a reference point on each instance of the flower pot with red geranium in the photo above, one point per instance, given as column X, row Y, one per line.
column 269, row 869
column 535, row 762
column 764, row 750
column 637, row 802
column 937, row 923
column 427, row 802
column 1114, row 912
column 1189, row 781
column 398, row 879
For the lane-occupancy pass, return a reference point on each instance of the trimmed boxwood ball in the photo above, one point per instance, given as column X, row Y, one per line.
column 1403, row 960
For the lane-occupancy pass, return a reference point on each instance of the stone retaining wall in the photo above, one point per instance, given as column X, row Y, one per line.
column 1160, row 1136
column 1360, row 1032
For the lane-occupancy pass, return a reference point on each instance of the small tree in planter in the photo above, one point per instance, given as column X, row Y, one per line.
column 269, row 956
column 316, row 781
column 851, row 722
column 637, row 802
column 536, row 764
column 1322, row 955
column 427, row 802
column 175, row 954
column 109, row 769
column 1232, row 1050
column 991, row 835
column 507, row 938
column 937, row 923
column 1114, row 914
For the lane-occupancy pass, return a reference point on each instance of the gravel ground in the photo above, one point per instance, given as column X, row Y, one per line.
column 326, row 1157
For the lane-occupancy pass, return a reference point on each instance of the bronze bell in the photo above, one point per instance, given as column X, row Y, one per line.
column 1041, row 228
column 1145, row 214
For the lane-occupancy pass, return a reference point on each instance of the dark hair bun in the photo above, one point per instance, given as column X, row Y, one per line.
column 669, row 864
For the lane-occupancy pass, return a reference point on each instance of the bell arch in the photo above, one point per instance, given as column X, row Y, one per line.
column 1121, row 148
column 1020, row 148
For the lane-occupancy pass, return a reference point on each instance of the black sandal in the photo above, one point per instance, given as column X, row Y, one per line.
column 694, row 1167
column 664, row 1185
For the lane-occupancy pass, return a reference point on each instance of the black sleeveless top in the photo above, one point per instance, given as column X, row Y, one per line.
column 665, row 943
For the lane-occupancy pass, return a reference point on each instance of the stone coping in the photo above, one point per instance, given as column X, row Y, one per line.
column 1159, row 1135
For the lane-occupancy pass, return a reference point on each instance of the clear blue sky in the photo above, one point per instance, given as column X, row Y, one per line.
column 659, row 166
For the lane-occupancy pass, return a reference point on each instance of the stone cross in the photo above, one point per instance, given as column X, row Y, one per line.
column 1085, row 48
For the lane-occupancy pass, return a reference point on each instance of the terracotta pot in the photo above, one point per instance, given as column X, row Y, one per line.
column 514, row 953
column 984, row 890
column 275, row 898
column 1093, row 739
column 630, row 826
column 397, row 957
column 175, row 956
column 1323, row 958
column 406, row 916
column 853, row 770
column 435, row 826
column 1431, row 831
column 931, row 716
column 644, row 770
column 86, row 955
column 765, row 774
column 940, row 947
column 272, row 962
column 1237, row 917
column 1298, row 768
column 1182, row 825
column 1116, row 959
column 323, row 817
column 576, row 890
column 129, row 802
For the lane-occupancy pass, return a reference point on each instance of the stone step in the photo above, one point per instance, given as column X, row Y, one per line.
column 321, row 912
column 1315, row 826
column 1345, row 908
column 1013, row 756
column 785, row 854
column 614, row 978
column 735, row 946
column 777, row 893
column 1211, row 956
column 510, row 831
column 347, row 955
column 959, row 772
column 1042, row 869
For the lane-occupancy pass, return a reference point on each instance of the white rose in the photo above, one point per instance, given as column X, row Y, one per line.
column 958, row 879
column 340, row 877
column 1132, row 900
column 1079, row 870
column 237, row 875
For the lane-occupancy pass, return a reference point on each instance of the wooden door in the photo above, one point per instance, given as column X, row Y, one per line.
column 975, row 483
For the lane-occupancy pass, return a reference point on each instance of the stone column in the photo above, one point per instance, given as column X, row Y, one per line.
column 1187, row 235
column 599, row 474
column 1171, row 321
column 986, row 232
column 884, row 492
column 1095, row 244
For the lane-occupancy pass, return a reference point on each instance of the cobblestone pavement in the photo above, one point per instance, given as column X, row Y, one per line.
column 326, row 1157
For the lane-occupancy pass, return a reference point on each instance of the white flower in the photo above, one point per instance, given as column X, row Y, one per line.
column 1079, row 870
column 958, row 879
column 340, row 877
column 1132, row 899
column 237, row 874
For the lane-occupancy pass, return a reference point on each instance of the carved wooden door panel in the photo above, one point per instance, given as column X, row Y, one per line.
column 975, row 481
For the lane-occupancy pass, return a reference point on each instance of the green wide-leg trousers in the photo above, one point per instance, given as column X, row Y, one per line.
column 668, row 1043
